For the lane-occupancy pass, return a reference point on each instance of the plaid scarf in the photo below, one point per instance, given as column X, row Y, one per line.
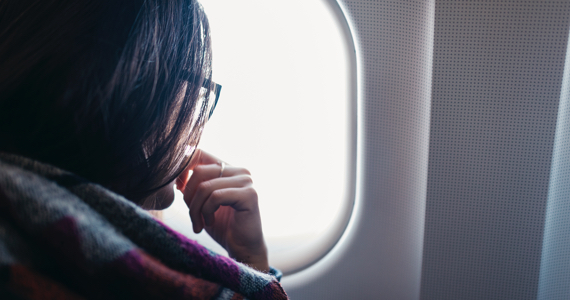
column 62, row 237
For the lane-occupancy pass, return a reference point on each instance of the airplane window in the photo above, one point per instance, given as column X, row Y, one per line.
column 286, row 114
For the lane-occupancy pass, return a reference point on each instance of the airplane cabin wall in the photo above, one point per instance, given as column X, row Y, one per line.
column 497, row 79
column 379, row 256
column 458, row 106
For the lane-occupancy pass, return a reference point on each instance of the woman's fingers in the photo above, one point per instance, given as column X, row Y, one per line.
column 223, row 197
column 207, row 177
column 205, row 158
column 205, row 173
column 240, row 199
column 199, row 158
column 196, row 198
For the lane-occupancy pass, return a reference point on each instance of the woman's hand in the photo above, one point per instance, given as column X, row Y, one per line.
column 225, row 204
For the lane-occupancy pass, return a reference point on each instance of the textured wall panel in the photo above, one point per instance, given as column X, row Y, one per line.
column 497, row 78
column 554, row 281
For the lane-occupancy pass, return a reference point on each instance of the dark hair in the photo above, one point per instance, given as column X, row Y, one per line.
column 106, row 89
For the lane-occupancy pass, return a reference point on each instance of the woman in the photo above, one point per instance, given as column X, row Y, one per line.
column 104, row 101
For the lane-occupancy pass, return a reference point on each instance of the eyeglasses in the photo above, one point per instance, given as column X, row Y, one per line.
column 214, row 90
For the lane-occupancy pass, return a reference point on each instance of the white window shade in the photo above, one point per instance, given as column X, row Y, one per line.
column 286, row 113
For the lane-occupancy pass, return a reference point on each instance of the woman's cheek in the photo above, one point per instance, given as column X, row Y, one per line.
column 163, row 198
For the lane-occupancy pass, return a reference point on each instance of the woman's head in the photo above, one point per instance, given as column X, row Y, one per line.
column 106, row 89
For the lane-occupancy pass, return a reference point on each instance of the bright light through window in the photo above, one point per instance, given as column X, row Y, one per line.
column 285, row 114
